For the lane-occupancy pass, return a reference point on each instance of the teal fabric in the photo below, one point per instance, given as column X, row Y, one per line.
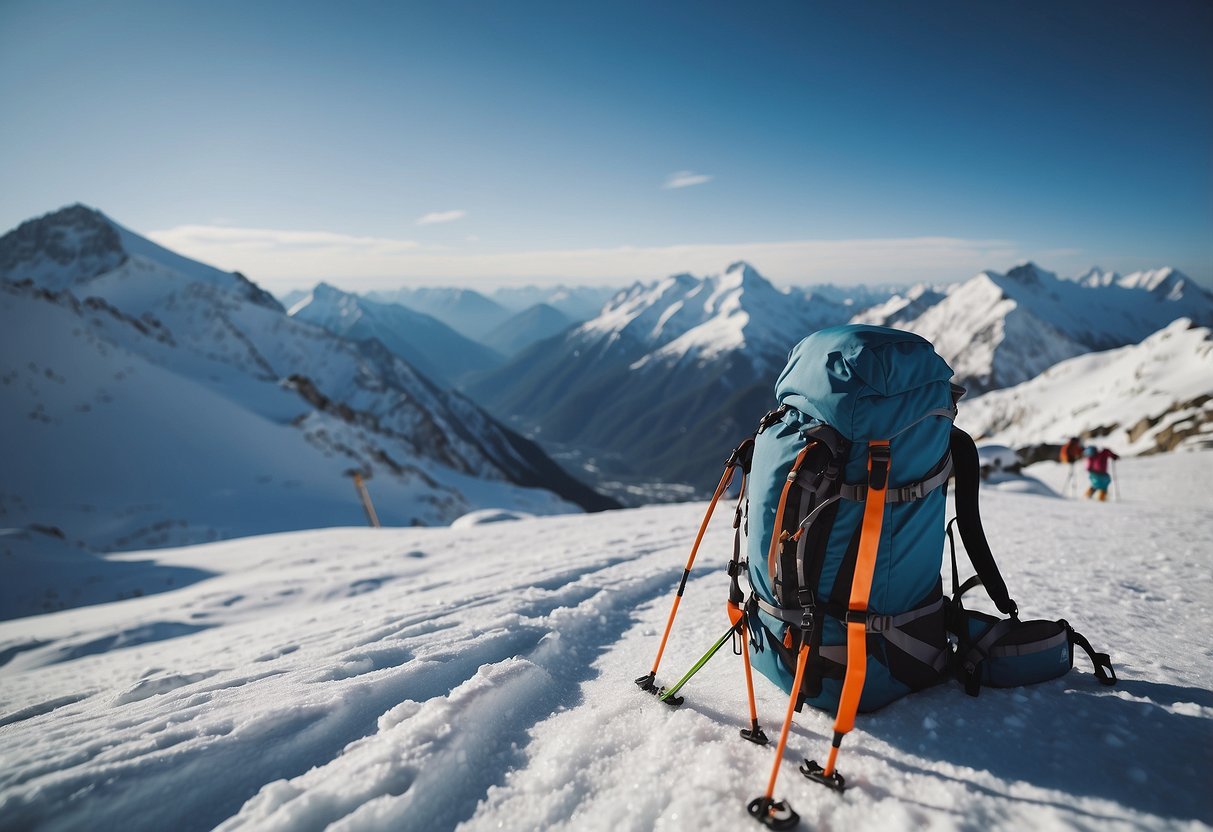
column 1100, row 482
column 867, row 383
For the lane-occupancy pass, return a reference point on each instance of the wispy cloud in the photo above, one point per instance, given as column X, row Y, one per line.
column 271, row 253
column 685, row 179
column 435, row 217
column 183, row 238
column 282, row 260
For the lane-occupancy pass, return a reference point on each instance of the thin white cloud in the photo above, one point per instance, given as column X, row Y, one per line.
column 685, row 179
column 435, row 217
column 274, row 251
column 281, row 260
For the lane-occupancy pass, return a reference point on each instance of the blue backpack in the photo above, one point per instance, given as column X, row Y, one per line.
column 842, row 508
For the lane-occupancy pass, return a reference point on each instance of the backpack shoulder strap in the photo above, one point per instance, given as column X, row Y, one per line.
column 968, row 517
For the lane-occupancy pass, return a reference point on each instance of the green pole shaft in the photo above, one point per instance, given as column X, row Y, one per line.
column 702, row 661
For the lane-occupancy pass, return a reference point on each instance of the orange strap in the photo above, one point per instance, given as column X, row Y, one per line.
column 879, row 464
column 773, row 554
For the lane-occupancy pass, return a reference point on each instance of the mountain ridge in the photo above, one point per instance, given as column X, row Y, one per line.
column 158, row 339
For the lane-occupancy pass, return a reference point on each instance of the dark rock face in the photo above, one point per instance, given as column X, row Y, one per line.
column 77, row 239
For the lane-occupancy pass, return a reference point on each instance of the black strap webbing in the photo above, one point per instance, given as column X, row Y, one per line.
column 1102, row 662
column 968, row 514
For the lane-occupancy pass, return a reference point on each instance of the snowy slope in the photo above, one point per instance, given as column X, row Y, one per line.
column 435, row 349
column 172, row 406
column 901, row 307
column 1156, row 395
column 480, row 678
column 997, row 330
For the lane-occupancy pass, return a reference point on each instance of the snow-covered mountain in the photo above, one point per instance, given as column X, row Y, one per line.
column 997, row 330
column 579, row 303
column 531, row 325
column 150, row 400
column 480, row 679
column 1147, row 397
column 666, row 378
column 856, row 296
column 901, row 307
column 425, row 342
column 1165, row 283
column 82, row 250
column 466, row 311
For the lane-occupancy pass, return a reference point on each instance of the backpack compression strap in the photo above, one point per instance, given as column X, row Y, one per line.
column 968, row 516
column 879, row 463
column 777, row 814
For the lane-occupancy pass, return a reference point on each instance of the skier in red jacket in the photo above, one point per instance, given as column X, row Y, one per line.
column 1097, row 470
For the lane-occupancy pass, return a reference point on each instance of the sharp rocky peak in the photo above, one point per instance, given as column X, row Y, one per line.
column 81, row 241
column 1029, row 274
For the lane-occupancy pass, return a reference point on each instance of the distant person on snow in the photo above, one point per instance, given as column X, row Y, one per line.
column 1097, row 469
column 1072, row 451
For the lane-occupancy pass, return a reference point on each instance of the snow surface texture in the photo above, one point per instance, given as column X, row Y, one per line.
column 1156, row 395
column 481, row 678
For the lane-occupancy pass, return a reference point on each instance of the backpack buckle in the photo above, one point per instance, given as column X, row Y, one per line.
column 879, row 623
column 879, row 457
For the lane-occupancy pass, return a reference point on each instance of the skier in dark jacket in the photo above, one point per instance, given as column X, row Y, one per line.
column 1097, row 469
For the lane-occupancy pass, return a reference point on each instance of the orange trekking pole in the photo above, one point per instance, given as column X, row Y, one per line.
column 771, row 813
column 647, row 682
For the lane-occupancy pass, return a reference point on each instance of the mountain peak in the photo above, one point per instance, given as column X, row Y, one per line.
column 62, row 247
column 746, row 276
column 324, row 291
column 1029, row 274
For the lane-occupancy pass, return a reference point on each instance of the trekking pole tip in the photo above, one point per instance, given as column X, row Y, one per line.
column 666, row 697
column 811, row 770
column 773, row 814
column 754, row 735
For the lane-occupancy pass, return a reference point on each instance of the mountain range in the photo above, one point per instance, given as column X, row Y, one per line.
column 429, row 345
column 653, row 388
column 666, row 370
column 152, row 400
column 997, row 330
column 672, row 373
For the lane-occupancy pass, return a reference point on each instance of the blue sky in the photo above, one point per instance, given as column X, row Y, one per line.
column 379, row 144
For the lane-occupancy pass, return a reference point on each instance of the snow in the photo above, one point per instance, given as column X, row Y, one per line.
column 998, row 330
column 488, row 515
column 123, row 441
column 682, row 319
column 1106, row 393
column 163, row 402
column 480, row 678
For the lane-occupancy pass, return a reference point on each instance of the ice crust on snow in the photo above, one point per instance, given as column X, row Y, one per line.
column 480, row 678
